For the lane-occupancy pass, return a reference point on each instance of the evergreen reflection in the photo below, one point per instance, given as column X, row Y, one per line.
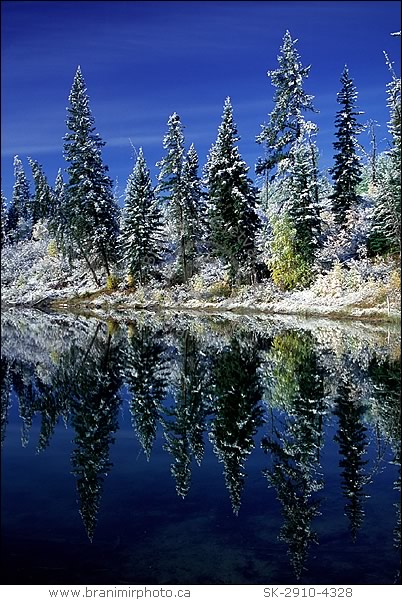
column 95, row 409
column 184, row 422
column 145, row 372
column 352, row 439
column 295, row 440
column 237, row 409
column 5, row 395
column 386, row 376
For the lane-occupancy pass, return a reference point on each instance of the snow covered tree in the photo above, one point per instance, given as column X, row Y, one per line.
column 42, row 200
column 290, row 102
column 3, row 219
column 140, row 237
column 19, row 221
column 192, row 209
column 386, row 235
column 301, row 191
column 233, row 221
column 346, row 172
column 91, row 210
column 177, row 181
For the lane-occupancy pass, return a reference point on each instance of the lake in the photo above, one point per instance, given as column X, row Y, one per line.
column 171, row 448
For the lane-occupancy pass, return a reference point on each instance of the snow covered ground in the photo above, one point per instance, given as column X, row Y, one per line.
column 33, row 274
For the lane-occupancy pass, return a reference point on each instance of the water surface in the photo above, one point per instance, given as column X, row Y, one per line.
column 174, row 449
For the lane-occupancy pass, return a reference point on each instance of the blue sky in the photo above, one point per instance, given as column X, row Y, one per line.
column 142, row 61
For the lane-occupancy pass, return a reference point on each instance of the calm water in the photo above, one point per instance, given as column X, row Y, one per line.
column 170, row 449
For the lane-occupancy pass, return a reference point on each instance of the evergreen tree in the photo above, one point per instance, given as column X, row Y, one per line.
column 233, row 221
column 290, row 102
column 141, row 224
column 178, row 181
column 91, row 210
column 4, row 218
column 58, row 224
column 19, row 221
column 193, row 210
column 346, row 172
column 386, row 235
column 42, row 200
column 301, row 191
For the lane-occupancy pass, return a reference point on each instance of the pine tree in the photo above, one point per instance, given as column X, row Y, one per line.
column 42, row 200
column 290, row 102
column 301, row 192
column 346, row 172
column 192, row 209
column 4, row 218
column 91, row 210
column 141, row 224
column 386, row 235
column 233, row 221
column 19, row 220
column 177, row 181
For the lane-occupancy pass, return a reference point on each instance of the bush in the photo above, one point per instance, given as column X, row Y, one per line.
column 112, row 283
column 289, row 269
column 220, row 289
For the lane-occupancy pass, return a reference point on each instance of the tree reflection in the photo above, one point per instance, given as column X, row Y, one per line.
column 145, row 374
column 95, row 408
column 386, row 377
column 237, row 409
column 352, row 439
column 5, row 395
column 296, row 439
column 184, row 422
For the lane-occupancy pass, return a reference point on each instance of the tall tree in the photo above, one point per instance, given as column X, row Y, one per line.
column 141, row 224
column 42, row 200
column 386, row 235
column 233, row 221
column 19, row 221
column 4, row 218
column 175, row 170
column 346, row 172
column 290, row 102
column 301, row 191
column 91, row 209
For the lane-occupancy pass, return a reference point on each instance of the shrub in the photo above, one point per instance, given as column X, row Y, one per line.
column 289, row 268
column 52, row 249
column 112, row 282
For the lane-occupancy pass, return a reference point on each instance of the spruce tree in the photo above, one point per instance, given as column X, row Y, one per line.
column 290, row 102
column 42, row 200
column 233, row 221
column 192, row 209
column 19, row 221
column 91, row 210
column 386, row 234
column 175, row 177
column 141, row 224
column 346, row 172
column 4, row 218
column 301, row 191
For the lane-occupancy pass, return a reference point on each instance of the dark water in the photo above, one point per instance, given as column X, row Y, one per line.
column 187, row 450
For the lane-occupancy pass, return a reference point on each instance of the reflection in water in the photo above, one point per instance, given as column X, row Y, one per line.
column 201, row 381
column 94, row 417
column 184, row 423
column 145, row 373
column 296, row 439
